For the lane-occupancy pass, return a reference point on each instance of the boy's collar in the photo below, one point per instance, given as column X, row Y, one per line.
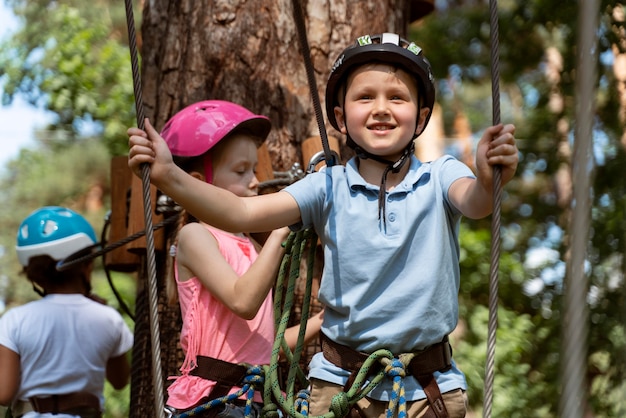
column 413, row 175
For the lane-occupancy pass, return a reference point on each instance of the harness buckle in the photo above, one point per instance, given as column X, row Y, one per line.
column 168, row 412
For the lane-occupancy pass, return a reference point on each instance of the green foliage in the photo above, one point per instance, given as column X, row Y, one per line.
column 456, row 41
column 72, row 64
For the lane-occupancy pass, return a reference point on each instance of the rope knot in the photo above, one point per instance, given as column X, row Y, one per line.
column 339, row 405
column 302, row 401
column 255, row 376
column 395, row 369
column 270, row 410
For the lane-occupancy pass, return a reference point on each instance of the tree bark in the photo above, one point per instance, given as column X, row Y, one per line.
column 248, row 52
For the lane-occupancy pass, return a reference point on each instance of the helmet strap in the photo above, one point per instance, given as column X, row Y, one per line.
column 39, row 290
column 208, row 167
column 392, row 166
column 86, row 283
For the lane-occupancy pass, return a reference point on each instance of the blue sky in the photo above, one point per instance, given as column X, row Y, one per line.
column 18, row 121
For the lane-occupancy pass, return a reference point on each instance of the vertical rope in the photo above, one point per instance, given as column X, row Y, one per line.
column 495, row 220
column 573, row 402
column 157, row 378
column 298, row 17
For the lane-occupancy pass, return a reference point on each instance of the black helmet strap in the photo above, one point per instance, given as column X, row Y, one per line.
column 390, row 166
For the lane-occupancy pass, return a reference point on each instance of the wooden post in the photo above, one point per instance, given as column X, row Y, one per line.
column 120, row 259
column 136, row 221
column 313, row 145
column 264, row 168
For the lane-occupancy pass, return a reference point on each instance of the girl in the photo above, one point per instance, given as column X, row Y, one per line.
column 223, row 283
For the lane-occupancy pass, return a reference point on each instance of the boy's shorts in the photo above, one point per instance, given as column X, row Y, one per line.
column 322, row 393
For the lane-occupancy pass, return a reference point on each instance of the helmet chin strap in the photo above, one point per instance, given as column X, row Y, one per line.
column 393, row 166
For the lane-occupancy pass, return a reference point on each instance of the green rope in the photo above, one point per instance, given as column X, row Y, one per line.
column 293, row 403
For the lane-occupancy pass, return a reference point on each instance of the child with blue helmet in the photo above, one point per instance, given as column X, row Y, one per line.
column 56, row 352
column 388, row 224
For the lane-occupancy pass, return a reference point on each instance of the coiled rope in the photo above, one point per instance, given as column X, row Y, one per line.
column 295, row 403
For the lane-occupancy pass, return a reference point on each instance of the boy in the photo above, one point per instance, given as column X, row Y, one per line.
column 388, row 223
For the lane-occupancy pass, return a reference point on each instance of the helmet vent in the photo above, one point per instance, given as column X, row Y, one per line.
column 24, row 231
column 49, row 227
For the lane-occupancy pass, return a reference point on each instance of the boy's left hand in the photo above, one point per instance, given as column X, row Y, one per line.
column 497, row 147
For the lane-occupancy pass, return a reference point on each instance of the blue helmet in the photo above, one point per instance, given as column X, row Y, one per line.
column 54, row 231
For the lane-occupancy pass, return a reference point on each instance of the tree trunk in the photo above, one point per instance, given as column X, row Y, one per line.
column 247, row 52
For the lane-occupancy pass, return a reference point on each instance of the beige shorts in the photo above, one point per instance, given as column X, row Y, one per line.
column 322, row 393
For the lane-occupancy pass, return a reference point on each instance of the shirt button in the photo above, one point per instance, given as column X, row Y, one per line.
column 392, row 217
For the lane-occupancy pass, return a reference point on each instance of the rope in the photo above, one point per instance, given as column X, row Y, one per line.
column 157, row 378
column 296, row 404
column 72, row 259
column 252, row 381
column 495, row 221
column 573, row 402
column 298, row 17
column 396, row 370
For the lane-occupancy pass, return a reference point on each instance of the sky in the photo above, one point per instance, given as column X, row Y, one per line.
column 18, row 121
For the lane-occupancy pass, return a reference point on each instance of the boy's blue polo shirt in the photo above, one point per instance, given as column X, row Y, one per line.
column 392, row 286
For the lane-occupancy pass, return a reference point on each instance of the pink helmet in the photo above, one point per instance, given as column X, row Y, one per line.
column 196, row 129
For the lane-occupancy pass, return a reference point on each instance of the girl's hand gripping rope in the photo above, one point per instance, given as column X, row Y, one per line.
column 150, row 148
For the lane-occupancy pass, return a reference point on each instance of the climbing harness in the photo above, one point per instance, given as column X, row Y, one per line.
column 421, row 365
column 249, row 378
column 83, row 404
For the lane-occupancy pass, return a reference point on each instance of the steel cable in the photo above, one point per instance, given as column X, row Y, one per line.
column 157, row 378
column 495, row 221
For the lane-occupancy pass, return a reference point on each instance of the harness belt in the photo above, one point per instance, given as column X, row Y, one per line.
column 225, row 374
column 84, row 404
column 434, row 358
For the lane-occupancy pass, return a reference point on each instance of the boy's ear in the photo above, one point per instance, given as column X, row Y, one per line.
column 421, row 125
column 339, row 117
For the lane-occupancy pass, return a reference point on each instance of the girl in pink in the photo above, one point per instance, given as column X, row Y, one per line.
column 224, row 284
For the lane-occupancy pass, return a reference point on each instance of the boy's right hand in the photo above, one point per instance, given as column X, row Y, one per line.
column 149, row 147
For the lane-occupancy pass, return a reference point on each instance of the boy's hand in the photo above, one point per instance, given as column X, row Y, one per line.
column 497, row 147
column 148, row 147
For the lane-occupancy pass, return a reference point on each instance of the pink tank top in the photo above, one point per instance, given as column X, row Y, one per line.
column 211, row 329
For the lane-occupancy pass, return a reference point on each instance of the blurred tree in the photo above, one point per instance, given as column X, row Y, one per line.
column 72, row 58
column 537, row 67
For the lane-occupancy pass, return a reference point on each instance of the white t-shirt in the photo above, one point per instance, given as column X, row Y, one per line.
column 64, row 342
